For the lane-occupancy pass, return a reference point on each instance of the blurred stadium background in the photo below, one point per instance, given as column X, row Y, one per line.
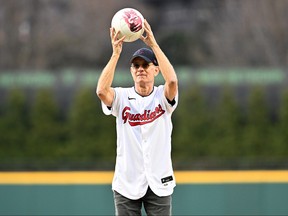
column 231, row 58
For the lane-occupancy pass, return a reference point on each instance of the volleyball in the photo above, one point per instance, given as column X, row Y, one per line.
column 129, row 22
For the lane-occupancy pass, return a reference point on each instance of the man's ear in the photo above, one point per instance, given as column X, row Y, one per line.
column 157, row 70
column 131, row 71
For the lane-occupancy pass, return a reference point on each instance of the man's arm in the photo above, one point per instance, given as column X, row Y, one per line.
column 168, row 73
column 166, row 68
column 104, row 90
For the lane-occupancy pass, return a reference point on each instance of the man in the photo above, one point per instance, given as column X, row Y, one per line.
column 143, row 171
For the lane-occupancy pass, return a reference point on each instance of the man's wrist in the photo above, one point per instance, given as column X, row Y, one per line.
column 154, row 46
column 115, row 55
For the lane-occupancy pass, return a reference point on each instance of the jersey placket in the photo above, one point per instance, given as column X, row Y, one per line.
column 146, row 148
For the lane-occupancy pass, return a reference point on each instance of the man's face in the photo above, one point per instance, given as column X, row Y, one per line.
column 142, row 71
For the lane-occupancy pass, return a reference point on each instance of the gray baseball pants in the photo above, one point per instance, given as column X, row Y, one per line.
column 153, row 205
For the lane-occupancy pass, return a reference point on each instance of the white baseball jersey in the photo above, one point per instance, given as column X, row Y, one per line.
column 144, row 131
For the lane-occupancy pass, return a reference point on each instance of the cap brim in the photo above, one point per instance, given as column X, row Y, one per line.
column 141, row 56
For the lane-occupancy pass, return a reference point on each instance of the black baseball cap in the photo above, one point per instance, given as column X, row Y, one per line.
column 145, row 54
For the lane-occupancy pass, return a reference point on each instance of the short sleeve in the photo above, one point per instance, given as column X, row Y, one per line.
column 170, row 106
column 106, row 110
column 115, row 104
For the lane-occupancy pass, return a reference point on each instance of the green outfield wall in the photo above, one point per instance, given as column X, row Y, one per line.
column 259, row 193
column 186, row 75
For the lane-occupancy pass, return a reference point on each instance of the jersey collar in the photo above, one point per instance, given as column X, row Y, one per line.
column 146, row 95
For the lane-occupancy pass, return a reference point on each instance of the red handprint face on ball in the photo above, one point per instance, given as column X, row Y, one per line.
column 133, row 20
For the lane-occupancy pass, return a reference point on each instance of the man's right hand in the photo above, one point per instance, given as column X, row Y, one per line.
column 116, row 43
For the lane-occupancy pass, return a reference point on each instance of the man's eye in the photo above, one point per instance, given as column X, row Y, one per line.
column 145, row 65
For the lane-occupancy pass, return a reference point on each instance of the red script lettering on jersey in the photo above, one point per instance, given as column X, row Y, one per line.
column 141, row 119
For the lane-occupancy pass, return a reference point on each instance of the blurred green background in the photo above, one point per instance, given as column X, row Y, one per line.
column 230, row 56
